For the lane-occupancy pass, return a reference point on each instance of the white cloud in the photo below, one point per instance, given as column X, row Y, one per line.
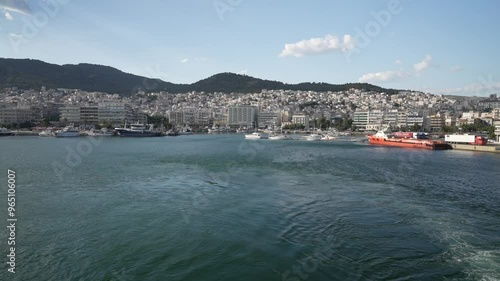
column 384, row 76
column 398, row 62
column 243, row 72
column 185, row 60
column 478, row 89
column 15, row 35
column 423, row 65
column 8, row 16
column 15, row 6
column 456, row 68
column 322, row 45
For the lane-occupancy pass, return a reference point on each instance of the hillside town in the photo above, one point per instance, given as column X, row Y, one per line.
column 358, row 110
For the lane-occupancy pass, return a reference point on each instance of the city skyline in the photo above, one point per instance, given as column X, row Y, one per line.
column 423, row 46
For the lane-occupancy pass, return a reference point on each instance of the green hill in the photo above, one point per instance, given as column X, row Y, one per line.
column 33, row 74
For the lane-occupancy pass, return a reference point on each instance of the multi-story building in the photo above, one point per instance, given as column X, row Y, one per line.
column 402, row 122
column 418, row 120
column 70, row 114
column 135, row 116
column 372, row 120
column 242, row 116
column 16, row 114
column 301, row 119
column 89, row 114
column 111, row 111
column 492, row 102
column 269, row 119
column 360, row 120
column 497, row 130
column 437, row 122
column 203, row 117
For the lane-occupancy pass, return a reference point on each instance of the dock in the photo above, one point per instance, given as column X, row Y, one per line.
column 482, row 148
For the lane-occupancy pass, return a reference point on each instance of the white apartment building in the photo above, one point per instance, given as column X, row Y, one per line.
column 112, row 111
column 242, row 115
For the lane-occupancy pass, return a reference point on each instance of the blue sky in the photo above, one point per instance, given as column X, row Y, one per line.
column 443, row 46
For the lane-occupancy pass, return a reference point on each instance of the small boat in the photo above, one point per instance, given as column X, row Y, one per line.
column 172, row 133
column 254, row 136
column 186, row 131
column 328, row 137
column 5, row 132
column 46, row 133
column 68, row 132
column 101, row 133
column 279, row 137
column 313, row 137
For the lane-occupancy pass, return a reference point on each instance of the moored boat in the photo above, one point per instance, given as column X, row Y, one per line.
column 279, row 137
column 101, row 133
column 46, row 133
column 417, row 141
column 313, row 137
column 68, row 132
column 5, row 132
column 254, row 136
column 137, row 130
column 328, row 137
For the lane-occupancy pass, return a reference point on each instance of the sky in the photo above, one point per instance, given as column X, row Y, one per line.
column 441, row 47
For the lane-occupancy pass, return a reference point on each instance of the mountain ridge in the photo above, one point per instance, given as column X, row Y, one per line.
column 33, row 74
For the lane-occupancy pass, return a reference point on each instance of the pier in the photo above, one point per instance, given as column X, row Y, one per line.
column 482, row 148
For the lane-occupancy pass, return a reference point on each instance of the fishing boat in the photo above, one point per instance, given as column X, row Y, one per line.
column 137, row 130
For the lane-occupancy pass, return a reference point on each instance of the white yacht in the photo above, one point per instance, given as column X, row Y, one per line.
column 254, row 136
column 68, row 132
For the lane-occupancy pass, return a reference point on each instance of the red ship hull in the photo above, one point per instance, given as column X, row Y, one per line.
column 410, row 143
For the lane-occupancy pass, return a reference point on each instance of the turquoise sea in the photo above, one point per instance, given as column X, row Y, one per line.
column 217, row 207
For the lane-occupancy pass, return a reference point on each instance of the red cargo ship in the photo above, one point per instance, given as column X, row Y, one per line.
column 411, row 140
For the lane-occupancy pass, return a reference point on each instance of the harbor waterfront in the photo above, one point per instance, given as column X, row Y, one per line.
column 219, row 207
